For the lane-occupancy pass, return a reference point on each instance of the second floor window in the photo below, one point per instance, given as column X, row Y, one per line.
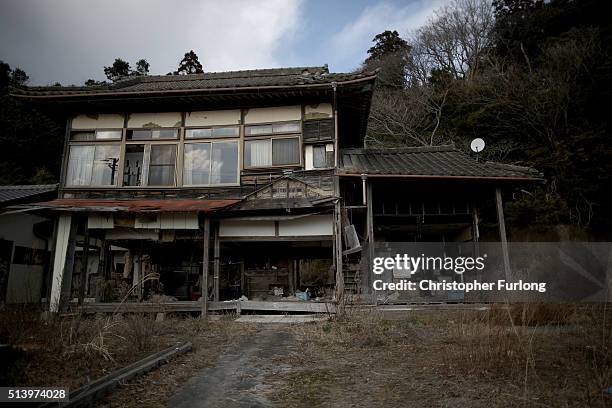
column 93, row 165
column 275, row 144
column 214, row 160
column 149, row 165
column 211, row 163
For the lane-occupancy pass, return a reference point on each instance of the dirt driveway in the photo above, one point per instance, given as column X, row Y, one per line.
column 238, row 378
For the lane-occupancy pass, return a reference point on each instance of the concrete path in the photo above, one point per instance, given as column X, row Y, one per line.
column 238, row 375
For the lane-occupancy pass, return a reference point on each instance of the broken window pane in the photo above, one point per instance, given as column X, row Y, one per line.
column 134, row 165
column 151, row 134
column 105, row 166
column 161, row 167
column 285, row 151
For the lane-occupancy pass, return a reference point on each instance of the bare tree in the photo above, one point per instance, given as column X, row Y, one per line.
column 455, row 40
column 407, row 117
column 451, row 46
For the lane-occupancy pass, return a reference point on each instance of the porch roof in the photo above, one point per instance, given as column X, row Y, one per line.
column 26, row 193
column 167, row 205
column 443, row 162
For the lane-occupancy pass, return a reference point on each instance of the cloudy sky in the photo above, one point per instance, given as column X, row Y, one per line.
column 69, row 41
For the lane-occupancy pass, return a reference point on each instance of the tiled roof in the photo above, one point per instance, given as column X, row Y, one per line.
column 431, row 161
column 207, row 81
column 10, row 194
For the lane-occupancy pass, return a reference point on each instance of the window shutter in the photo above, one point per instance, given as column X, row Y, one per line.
column 318, row 130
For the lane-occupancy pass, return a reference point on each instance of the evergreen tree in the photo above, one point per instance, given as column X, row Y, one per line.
column 120, row 69
column 142, row 67
column 189, row 64
column 389, row 54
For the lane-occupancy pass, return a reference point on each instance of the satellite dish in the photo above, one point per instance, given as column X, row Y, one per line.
column 477, row 145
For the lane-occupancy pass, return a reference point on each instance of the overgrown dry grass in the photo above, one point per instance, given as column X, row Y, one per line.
column 519, row 355
column 68, row 351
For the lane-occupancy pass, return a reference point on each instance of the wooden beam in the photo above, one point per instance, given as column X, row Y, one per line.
column 370, row 237
column 291, row 270
column 194, row 306
column 338, row 252
column 59, row 261
column 502, row 232
column 205, row 259
column 475, row 221
column 84, row 261
column 216, row 260
column 94, row 391
column 69, row 267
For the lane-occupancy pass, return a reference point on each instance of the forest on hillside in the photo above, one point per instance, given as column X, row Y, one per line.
column 530, row 77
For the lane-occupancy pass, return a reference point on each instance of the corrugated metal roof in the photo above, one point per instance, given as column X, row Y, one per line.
column 430, row 161
column 207, row 81
column 10, row 194
column 178, row 205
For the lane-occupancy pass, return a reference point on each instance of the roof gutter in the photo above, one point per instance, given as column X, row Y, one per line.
column 434, row 177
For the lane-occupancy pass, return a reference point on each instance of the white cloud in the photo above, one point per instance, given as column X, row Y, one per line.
column 71, row 40
column 353, row 40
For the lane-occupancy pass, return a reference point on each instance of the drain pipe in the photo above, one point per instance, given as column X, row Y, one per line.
column 336, row 144
column 364, row 179
column 337, row 211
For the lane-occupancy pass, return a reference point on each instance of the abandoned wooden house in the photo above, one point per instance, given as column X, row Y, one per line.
column 250, row 185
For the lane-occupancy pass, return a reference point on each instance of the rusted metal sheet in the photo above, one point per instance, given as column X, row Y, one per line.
column 181, row 205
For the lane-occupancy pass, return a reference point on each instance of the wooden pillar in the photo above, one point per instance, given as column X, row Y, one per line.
column 370, row 236
column 502, row 232
column 475, row 221
column 338, row 252
column 49, row 267
column 216, row 260
column 242, row 279
column 67, row 276
column 59, row 261
column 291, row 271
column 205, row 258
column 84, row 266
